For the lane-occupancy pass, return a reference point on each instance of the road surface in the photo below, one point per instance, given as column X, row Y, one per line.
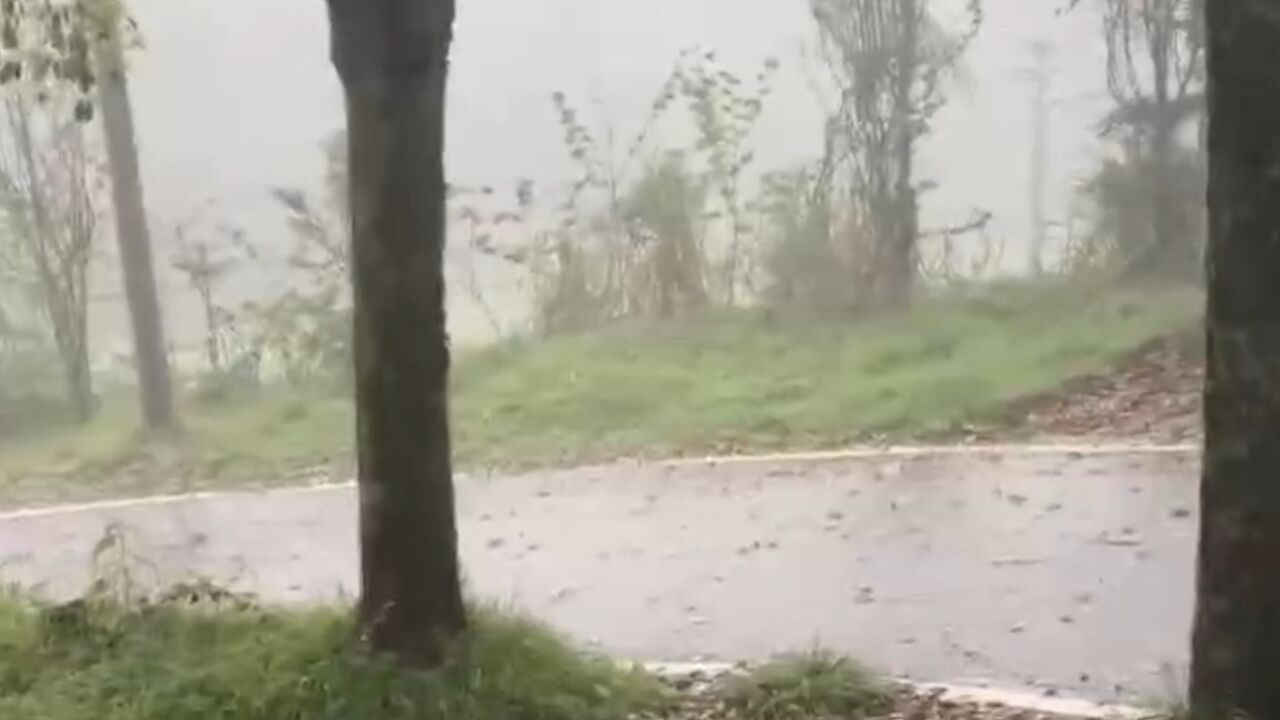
column 1066, row 572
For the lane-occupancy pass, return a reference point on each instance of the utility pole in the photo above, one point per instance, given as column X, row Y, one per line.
column 1041, row 77
column 133, row 235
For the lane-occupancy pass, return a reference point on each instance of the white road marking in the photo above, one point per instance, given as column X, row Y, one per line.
column 867, row 453
column 1018, row 699
column 922, row 451
column 162, row 500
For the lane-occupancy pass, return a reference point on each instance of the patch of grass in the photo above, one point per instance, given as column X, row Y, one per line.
column 255, row 441
column 728, row 382
column 739, row 382
column 801, row 687
column 172, row 662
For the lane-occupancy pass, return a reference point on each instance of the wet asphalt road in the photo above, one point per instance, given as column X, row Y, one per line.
column 1064, row 572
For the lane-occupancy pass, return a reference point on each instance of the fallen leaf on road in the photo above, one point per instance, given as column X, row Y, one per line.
column 1120, row 541
column 1017, row 561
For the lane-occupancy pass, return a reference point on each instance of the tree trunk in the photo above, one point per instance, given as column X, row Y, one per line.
column 898, row 269
column 79, row 380
column 134, row 237
column 392, row 57
column 1236, row 640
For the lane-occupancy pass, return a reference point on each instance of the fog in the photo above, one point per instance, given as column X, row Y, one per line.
column 902, row 359
column 235, row 97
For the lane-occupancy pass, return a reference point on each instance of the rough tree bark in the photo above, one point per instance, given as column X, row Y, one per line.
column 133, row 236
column 1236, row 640
column 392, row 57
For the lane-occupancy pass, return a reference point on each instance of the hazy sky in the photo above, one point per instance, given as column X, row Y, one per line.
column 234, row 97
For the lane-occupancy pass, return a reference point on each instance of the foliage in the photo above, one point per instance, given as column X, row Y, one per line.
column 202, row 652
column 1156, row 76
column 647, row 258
column 322, row 227
column 808, row 273
column 745, row 383
column 653, row 233
column 47, row 48
column 49, row 194
column 31, row 400
column 811, row 685
column 205, row 260
column 306, row 336
column 725, row 110
column 306, row 330
column 1169, row 36
column 240, row 380
column 66, row 50
column 1114, row 207
column 664, row 224
column 31, row 393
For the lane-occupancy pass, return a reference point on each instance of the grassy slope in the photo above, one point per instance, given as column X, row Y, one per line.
column 738, row 384
column 726, row 383
column 181, row 663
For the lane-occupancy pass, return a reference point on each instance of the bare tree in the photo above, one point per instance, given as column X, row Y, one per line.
column 392, row 58
column 76, row 47
column 205, row 263
column 889, row 58
column 48, row 183
column 322, row 227
column 1236, row 640
column 1155, row 73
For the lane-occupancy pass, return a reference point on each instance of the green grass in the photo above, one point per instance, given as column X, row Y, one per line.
column 740, row 383
column 261, row 440
column 171, row 662
column 734, row 382
column 810, row 685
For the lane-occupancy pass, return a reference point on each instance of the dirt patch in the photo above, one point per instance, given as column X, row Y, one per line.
column 1153, row 395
